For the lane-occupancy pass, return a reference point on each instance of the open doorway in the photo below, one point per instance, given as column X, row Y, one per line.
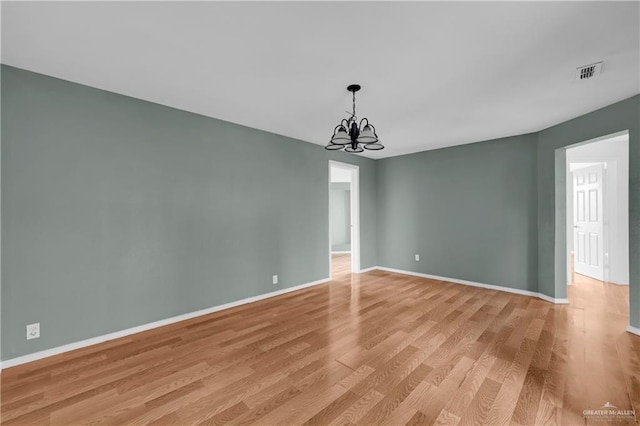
column 598, row 212
column 344, row 226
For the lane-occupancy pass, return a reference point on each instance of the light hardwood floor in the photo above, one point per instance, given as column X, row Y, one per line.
column 375, row 348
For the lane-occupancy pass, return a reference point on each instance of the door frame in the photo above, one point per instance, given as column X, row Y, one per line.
column 563, row 218
column 355, row 213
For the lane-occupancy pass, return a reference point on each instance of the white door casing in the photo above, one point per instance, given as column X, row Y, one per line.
column 588, row 222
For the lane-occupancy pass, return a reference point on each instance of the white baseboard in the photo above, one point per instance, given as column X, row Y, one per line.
column 633, row 330
column 373, row 268
column 556, row 300
column 476, row 284
column 341, row 252
column 138, row 329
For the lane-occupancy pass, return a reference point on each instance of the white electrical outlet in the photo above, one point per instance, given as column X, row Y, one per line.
column 417, row 258
column 33, row 331
column 275, row 279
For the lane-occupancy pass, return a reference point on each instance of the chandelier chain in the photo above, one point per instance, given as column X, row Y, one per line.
column 353, row 116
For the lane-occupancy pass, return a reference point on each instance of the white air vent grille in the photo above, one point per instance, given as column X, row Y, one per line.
column 588, row 71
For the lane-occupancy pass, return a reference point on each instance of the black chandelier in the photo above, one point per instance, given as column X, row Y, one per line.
column 353, row 137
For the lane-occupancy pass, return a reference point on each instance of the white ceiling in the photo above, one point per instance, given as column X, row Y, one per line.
column 434, row 74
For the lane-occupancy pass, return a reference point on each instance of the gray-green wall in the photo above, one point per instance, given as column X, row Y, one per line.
column 119, row 212
column 469, row 211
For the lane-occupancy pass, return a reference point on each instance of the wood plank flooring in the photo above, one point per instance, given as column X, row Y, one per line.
column 376, row 348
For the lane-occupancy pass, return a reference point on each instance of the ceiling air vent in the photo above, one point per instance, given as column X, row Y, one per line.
column 588, row 71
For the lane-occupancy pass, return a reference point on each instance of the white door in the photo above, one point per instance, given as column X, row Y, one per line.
column 587, row 221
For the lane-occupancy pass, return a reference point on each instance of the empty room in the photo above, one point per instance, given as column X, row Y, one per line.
column 320, row 212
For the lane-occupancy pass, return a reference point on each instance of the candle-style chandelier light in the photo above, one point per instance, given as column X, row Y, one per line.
column 350, row 136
